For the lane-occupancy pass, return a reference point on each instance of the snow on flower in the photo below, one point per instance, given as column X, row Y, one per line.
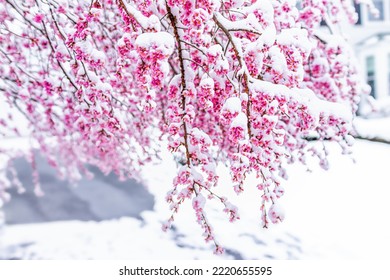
column 161, row 42
column 245, row 83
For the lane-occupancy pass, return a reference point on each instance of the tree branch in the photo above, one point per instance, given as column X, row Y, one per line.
column 183, row 79
column 243, row 66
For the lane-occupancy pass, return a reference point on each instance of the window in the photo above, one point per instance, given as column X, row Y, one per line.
column 388, row 73
column 370, row 66
column 359, row 12
column 380, row 7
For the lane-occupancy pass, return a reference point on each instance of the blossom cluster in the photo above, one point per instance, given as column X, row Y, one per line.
column 241, row 82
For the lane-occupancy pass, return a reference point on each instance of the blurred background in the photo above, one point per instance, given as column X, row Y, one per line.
column 341, row 213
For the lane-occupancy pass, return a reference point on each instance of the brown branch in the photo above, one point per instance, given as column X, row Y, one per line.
column 245, row 30
column 245, row 76
column 63, row 37
column 46, row 34
column 183, row 80
column 192, row 45
column 201, row 66
column 13, row 5
column 123, row 6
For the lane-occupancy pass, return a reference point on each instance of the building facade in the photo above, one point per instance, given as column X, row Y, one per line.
column 371, row 40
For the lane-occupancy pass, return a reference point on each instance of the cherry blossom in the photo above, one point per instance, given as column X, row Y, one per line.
column 241, row 82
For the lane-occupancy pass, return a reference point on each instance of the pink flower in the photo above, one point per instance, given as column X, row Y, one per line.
column 237, row 83
column 38, row 18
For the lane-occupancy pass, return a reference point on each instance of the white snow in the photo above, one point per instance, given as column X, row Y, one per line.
column 306, row 97
column 295, row 37
column 201, row 135
column 341, row 213
column 279, row 62
column 215, row 50
column 232, row 104
column 249, row 23
column 162, row 40
column 206, row 82
column 373, row 128
column 151, row 22
column 334, row 214
column 97, row 55
column 276, row 213
column 240, row 121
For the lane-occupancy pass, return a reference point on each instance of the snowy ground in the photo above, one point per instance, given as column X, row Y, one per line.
column 339, row 214
column 374, row 128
